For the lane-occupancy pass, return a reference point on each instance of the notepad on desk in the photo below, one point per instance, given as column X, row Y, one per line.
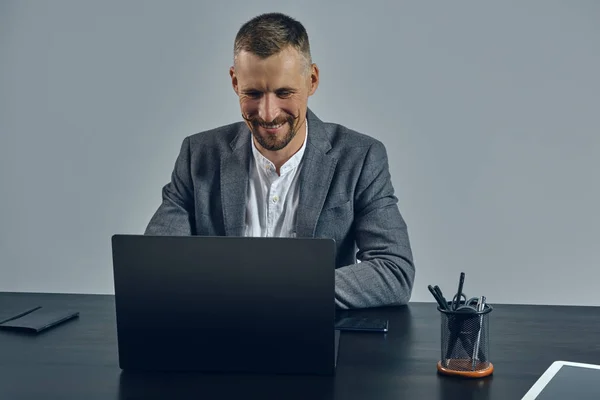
column 567, row 380
column 37, row 319
column 11, row 312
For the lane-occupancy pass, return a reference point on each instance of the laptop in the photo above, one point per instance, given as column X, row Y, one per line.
column 225, row 304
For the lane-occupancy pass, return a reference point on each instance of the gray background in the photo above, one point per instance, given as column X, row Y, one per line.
column 489, row 111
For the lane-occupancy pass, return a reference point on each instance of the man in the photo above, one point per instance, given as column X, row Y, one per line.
column 283, row 172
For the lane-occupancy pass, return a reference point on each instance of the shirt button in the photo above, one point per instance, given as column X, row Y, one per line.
column 275, row 199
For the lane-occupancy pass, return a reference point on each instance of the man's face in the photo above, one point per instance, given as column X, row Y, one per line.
column 273, row 95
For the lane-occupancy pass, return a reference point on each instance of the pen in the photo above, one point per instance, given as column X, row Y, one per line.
column 461, row 282
column 480, row 308
column 437, row 297
column 439, row 292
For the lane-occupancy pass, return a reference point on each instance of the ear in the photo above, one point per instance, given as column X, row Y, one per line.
column 314, row 79
column 234, row 81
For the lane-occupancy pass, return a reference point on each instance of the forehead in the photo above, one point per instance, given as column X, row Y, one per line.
column 285, row 68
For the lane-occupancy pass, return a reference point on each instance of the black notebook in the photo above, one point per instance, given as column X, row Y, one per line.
column 10, row 312
column 40, row 319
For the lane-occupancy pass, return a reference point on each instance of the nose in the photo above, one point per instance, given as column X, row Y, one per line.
column 268, row 108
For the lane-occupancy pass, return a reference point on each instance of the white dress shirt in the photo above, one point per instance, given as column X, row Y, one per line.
column 272, row 198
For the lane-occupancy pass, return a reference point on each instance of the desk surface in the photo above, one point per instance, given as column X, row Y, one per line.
column 78, row 360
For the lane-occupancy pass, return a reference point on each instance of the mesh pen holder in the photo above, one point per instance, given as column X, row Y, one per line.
column 465, row 343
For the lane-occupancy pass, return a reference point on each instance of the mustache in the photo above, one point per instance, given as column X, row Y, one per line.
column 257, row 121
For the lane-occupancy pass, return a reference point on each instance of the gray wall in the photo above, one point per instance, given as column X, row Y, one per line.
column 489, row 111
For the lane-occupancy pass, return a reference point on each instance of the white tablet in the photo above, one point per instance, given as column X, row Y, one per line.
column 567, row 380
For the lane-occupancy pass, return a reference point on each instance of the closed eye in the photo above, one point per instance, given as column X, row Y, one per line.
column 284, row 93
column 254, row 94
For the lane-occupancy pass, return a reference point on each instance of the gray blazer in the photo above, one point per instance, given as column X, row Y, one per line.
column 345, row 194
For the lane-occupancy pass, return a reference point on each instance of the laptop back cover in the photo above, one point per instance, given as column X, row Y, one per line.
column 225, row 304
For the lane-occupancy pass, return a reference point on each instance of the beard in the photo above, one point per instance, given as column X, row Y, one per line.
column 274, row 141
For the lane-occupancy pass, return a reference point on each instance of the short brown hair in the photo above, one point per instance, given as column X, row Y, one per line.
column 268, row 34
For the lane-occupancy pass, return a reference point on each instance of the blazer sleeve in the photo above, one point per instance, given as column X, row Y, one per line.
column 175, row 215
column 386, row 273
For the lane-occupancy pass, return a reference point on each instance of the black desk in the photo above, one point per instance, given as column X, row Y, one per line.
column 78, row 360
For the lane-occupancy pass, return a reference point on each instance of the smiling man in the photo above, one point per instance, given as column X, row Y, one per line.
column 282, row 172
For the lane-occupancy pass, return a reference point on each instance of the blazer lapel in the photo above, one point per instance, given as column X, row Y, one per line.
column 234, row 183
column 315, row 177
